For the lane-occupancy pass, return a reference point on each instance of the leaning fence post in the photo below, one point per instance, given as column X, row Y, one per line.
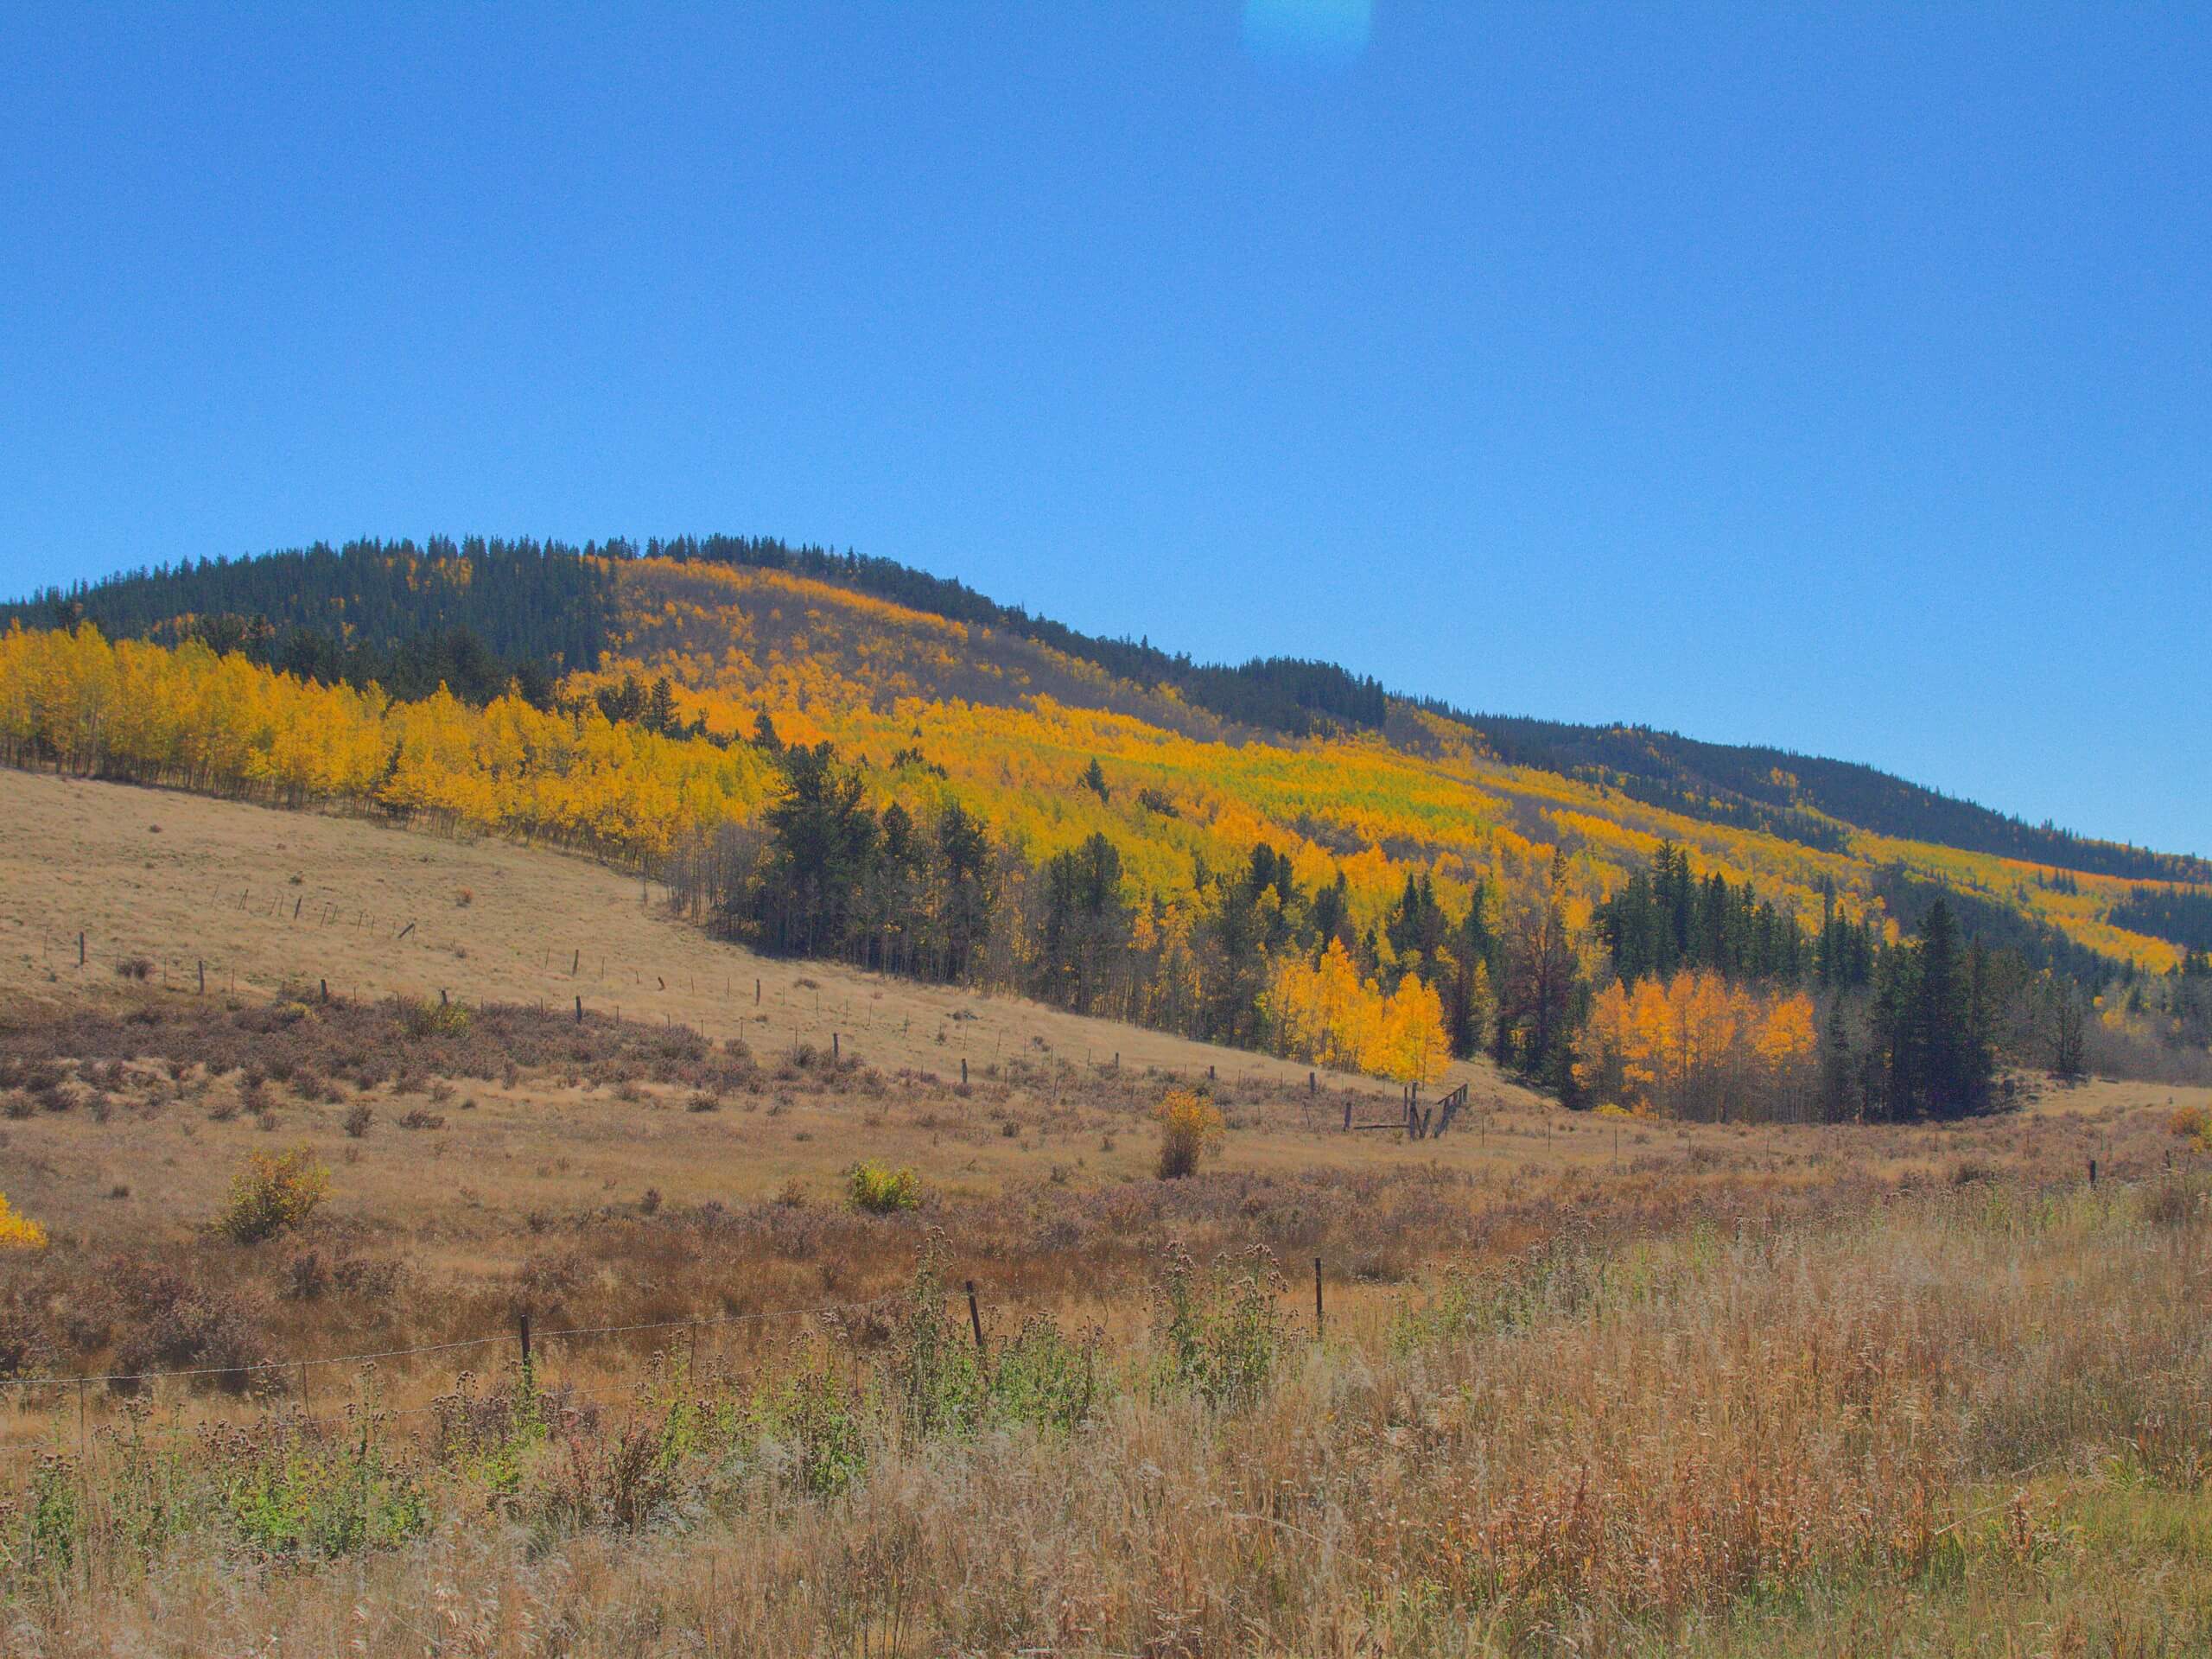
column 974, row 1318
column 203, row 978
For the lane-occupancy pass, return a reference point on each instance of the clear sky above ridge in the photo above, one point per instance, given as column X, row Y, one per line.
column 1839, row 379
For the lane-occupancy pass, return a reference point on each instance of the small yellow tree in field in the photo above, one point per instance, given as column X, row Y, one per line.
column 1190, row 1127
column 18, row 1231
column 1412, row 1045
column 270, row 1194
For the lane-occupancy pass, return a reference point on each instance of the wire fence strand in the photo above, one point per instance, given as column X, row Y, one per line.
column 60, row 1380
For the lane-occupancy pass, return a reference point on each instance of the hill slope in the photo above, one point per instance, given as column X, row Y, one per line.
column 553, row 602
column 184, row 883
column 1279, row 855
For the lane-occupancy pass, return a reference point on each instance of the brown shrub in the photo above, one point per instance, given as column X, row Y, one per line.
column 167, row 1319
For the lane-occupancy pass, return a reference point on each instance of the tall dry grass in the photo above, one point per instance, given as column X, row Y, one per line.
column 1963, row 1404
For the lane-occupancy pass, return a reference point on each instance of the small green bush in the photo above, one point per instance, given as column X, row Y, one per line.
column 875, row 1189
column 813, row 1423
column 293, row 1494
column 271, row 1194
column 1042, row 1378
column 935, row 1373
column 1218, row 1334
column 427, row 1019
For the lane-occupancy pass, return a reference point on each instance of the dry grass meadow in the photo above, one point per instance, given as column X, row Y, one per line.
column 1583, row 1386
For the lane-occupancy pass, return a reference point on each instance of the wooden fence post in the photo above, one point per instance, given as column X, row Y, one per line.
column 203, row 977
column 1318, row 1315
column 522, row 1323
column 580, row 1010
column 974, row 1318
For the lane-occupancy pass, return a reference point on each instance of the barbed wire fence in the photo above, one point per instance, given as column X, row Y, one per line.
column 805, row 1020
column 524, row 1340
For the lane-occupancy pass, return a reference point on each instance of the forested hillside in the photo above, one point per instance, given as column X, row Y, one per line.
column 825, row 755
column 549, row 602
column 348, row 611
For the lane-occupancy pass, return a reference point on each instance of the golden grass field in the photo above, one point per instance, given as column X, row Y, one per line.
column 266, row 899
column 181, row 880
column 1586, row 1385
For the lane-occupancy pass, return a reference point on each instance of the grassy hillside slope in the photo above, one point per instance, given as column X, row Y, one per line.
column 177, row 881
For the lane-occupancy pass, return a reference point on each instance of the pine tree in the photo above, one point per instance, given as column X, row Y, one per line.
column 2068, row 1025
column 659, row 715
column 821, row 839
column 1839, row 1068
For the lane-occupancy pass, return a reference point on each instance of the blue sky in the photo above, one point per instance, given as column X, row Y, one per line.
column 1836, row 378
